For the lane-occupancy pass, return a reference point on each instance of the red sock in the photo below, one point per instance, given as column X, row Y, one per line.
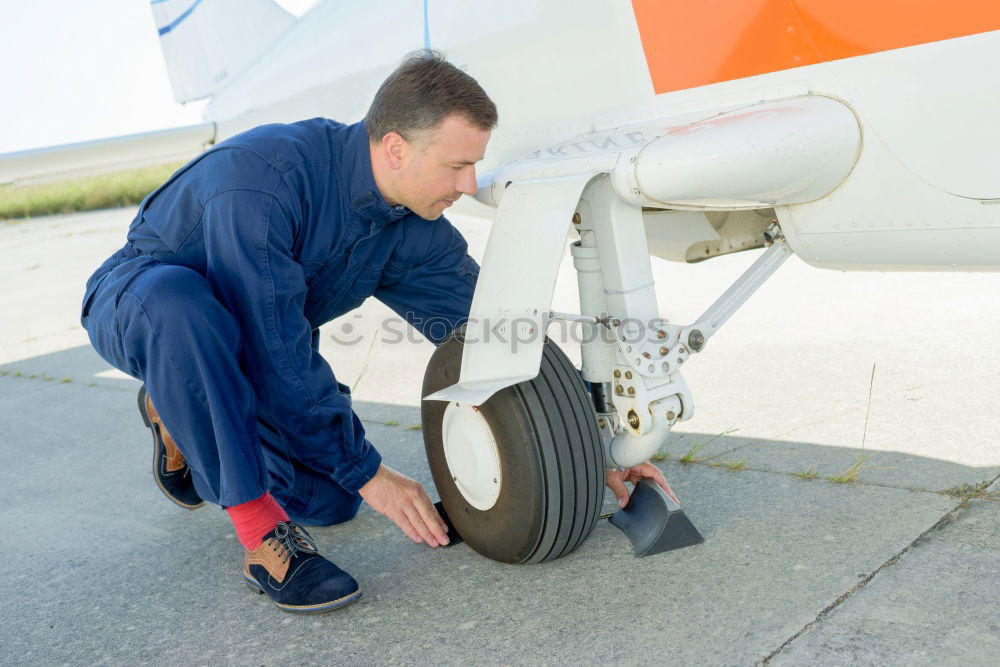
column 255, row 519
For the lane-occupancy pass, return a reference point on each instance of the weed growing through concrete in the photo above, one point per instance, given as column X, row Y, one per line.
column 692, row 453
column 851, row 474
column 392, row 422
column 736, row 465
column 969, row 491
column 812, row 472
column 660, row 456
column 414, row 427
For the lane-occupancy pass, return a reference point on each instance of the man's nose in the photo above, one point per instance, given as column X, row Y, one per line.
column 467, row 183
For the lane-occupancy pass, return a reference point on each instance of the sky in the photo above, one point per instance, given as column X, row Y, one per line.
column 73, row 71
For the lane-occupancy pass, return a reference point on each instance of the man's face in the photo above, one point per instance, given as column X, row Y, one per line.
column 438, row 166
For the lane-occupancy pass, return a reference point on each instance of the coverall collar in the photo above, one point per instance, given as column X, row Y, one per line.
column 365, row 196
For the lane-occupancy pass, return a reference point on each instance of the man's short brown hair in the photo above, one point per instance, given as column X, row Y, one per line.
column 423, row 91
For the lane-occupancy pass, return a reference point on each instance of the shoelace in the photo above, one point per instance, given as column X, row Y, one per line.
column 293, row 538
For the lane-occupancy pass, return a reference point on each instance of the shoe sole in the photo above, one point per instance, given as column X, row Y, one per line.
column 306, row 609
column 158, row 452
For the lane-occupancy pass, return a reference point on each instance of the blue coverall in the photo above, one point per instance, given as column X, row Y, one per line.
column 216, row 299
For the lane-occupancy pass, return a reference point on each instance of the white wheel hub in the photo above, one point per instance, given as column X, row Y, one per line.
column 472, row 455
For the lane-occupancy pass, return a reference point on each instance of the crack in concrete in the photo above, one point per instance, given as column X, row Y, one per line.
column 950, row 516
column 940, row 523
column 857, row 482
column 45, row 377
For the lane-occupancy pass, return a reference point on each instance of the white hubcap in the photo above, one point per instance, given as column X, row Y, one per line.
column 472, row 455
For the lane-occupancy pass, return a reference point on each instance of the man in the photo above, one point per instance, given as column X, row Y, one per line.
column 229, row 270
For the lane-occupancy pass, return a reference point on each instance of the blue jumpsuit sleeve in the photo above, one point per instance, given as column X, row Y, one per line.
column 249, row 239
column 432, row 288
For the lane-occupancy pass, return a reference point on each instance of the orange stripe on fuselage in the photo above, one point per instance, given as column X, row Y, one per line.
column 691, row 43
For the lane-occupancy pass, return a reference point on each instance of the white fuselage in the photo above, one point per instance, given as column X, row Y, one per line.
column 924, row 192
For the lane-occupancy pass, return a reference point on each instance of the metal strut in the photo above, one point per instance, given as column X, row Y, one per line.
column 733, row 298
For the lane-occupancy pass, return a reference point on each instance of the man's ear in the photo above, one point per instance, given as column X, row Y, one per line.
column 394, row 147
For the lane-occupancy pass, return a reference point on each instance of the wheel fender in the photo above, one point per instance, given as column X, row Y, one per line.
column 510, row 309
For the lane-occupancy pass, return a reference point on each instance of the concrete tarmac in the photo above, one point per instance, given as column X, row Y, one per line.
column 898, row 561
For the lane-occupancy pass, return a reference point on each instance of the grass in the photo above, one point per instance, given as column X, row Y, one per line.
column 850, row 475
column 691, row 456
column 124, row 188
column 969, row 491
column 660, row 456
column 812, row 472
column 414, row 427
column 36, row 376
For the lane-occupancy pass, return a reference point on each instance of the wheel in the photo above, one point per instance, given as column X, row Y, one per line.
column 521, row 476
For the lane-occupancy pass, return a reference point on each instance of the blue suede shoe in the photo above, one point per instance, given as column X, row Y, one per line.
column 170, row 470
column 288, row 567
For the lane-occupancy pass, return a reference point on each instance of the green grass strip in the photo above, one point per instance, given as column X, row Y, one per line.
column 123, row 188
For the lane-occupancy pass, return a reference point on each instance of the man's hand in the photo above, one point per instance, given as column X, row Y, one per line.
column 615, row 479
column 405, row 502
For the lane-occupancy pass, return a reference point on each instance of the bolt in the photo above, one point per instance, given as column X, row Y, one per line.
column 696, row 340
column 671, row 416
column 616, row 323
column 619, row 390
column 632, row 159
column 661, row 334
column 635, row 191
column 494, row 480
column 680, row 360
column 631, row 391
column 618, row 373
column 600, row 422
column 576, row 218
column 663, row 351
column 681, row 349
column 633, row 419
column 454, row 479
column 628, row 375
column 646, row 355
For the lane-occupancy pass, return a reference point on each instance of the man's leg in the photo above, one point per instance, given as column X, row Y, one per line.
column 310, row 497
column 184, row 345
column 163, row 325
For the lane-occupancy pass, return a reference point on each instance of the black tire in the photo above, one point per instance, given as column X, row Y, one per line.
column 551, row 460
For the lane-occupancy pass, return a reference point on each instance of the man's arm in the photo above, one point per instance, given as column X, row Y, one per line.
column 433, row 288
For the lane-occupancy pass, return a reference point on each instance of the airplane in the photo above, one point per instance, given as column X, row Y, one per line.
column 857, row 134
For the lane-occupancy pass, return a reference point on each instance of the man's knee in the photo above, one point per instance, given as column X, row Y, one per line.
column 343, row 510
column 176, row 302
column 324, row 504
